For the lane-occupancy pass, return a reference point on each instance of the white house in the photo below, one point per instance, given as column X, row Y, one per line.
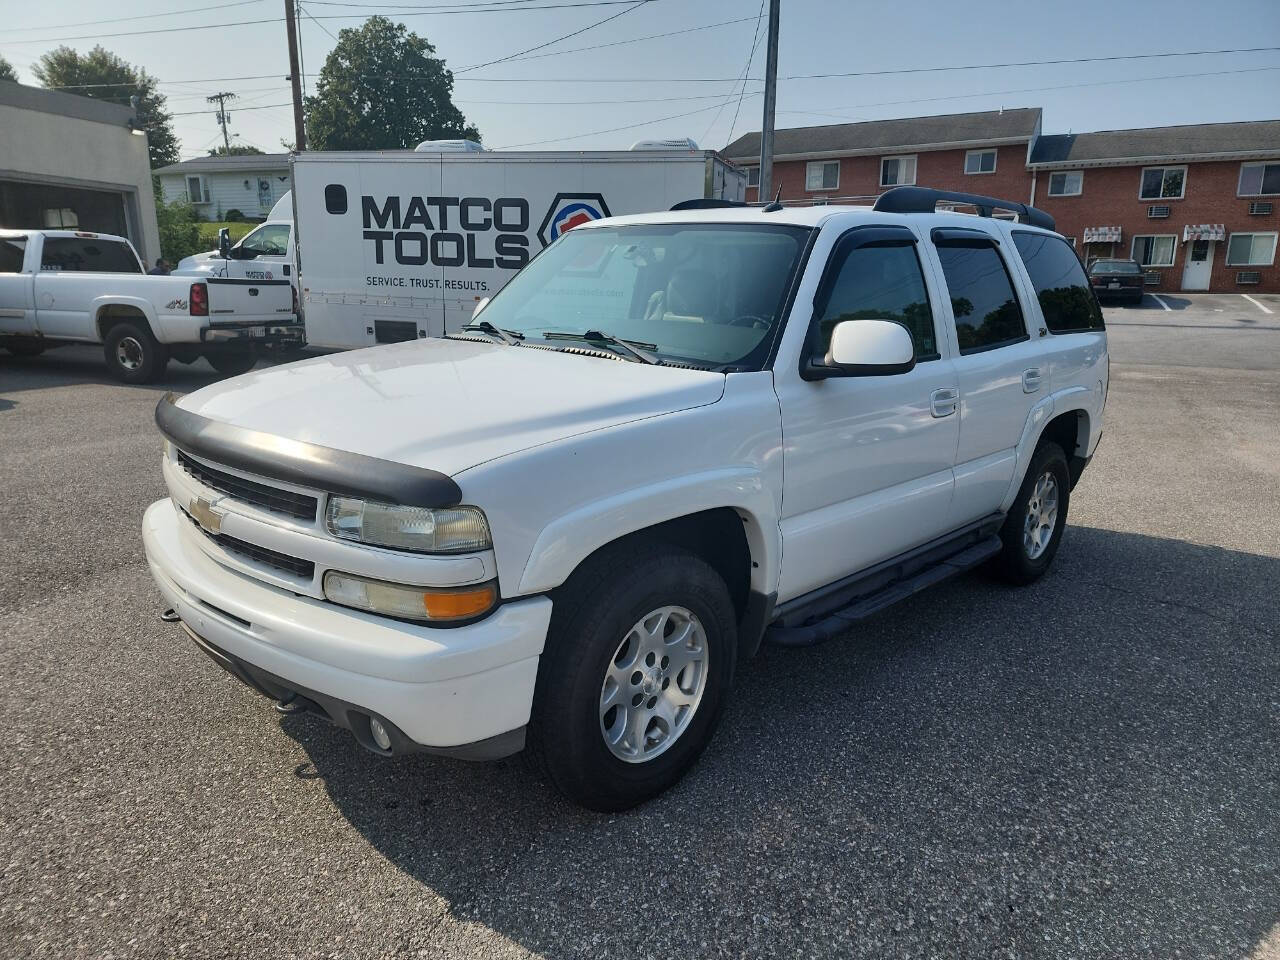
column 218, row 185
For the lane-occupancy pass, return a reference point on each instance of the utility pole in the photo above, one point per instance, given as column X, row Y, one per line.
column 765, row 191
column 223, row 117
column 295, row 77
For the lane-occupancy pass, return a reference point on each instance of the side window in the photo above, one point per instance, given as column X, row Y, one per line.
column 1061, row 285
column 983, row 303
column 268, row 241
column 88, row 255
column 880, row 282
column 12, row 250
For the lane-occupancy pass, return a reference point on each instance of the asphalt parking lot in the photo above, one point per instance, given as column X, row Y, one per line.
column 1087, row 767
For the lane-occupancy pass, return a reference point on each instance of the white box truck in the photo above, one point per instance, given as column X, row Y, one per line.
column 401, row 245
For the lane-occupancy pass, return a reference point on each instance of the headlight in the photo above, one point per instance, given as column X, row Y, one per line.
column 414, row 603
column 444, row 530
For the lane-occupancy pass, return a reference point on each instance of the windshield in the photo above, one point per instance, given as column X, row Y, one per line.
column 709, row 294
column 1125, row 267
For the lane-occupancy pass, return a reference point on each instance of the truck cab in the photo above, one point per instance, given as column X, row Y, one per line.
column 267, row 252
column 668, row 439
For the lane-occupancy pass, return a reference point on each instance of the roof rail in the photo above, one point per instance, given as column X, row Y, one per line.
column 706, row 203
column 924, row 200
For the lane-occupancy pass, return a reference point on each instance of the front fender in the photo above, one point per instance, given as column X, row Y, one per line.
column 568, row 540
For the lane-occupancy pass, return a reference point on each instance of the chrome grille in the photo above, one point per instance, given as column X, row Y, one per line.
column 251, row 551
column 277, row 500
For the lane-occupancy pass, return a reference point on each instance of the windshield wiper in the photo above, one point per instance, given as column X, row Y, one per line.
column 633, row 350
column 511, row 338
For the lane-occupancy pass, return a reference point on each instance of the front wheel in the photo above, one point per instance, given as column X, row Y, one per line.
column 637, row 665
column 1033, row 528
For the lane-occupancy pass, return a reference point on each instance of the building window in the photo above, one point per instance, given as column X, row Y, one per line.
column 1251, row 250
column 753, row 176
column 822, row 175
column 980, row 161
column 1259, row 180
column 1067, row 184
column 197, row 190
column 1154, row 251
column 1163, row 183
column 897, row 171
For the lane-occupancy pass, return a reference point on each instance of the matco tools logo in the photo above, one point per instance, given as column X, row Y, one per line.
column 569, row 210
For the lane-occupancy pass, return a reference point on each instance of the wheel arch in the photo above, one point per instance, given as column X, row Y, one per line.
column 110, row 311
column 1066, row 419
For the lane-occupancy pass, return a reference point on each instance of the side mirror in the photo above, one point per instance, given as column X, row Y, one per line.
column 867, row 348
column 480, row 305
column 224, row 243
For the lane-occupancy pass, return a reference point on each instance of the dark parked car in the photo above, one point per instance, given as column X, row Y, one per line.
column 1121, row 279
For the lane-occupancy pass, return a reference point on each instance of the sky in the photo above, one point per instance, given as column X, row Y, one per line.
column 691, row 84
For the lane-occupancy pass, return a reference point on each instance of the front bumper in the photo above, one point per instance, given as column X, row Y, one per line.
column 444, row 689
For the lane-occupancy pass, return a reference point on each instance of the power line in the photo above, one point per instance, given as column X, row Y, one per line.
column 442, row 11
column 593, row 133
column 746, row 68
column 540, row 46
column 140, row 16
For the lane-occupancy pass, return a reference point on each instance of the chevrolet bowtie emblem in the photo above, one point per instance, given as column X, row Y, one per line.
column 204, row 514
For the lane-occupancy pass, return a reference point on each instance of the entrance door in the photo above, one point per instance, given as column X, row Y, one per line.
column 1199, row 265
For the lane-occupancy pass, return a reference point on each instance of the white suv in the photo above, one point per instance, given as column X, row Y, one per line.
column 670, row 437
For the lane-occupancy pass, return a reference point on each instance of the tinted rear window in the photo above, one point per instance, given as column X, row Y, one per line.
column 1125, row 268
column 11, row 250
column 1061, row 285
column 88, row 255
column 983, row 303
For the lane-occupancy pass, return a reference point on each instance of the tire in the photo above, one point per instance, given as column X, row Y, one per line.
column 232, row 363
column 1026, row 554
column 623, row 604
column 133, row 355
column 24, row 346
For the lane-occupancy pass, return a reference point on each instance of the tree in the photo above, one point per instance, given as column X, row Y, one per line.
column 102, row 75
column 6, row 71
column 382, row 87
column 235, row 150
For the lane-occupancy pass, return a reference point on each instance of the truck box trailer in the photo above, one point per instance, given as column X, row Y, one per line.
column 401, row 245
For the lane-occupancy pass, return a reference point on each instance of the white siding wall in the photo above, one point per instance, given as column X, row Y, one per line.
column 228, row 192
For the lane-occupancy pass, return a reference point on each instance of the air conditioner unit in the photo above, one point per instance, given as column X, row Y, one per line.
column 1157, row 213
column 1260, row 208
column 1249, row 276
column 1151, row 278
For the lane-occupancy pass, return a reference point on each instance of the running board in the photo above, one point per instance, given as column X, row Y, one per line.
column 881, row 594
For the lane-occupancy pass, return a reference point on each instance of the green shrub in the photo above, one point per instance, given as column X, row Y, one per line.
column 179, row 231
column 234, row 216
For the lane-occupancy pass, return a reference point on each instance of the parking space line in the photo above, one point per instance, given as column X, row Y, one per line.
column 1261, row 306
column 1162, row 303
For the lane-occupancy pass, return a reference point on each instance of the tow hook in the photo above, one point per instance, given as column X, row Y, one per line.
column 170, row 616
column 291, row 704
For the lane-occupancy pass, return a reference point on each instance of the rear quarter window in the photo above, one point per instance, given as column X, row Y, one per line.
column 1062, row 287
column 11, row 253
column 88, row 255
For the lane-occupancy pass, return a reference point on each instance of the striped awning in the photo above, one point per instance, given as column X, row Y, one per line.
column 1102, row 234
column 1204, row 231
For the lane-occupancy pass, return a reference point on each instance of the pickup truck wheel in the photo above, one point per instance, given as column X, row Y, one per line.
column 1033, row 528
column 232, row 363
column 133, row 354
column 636, row 668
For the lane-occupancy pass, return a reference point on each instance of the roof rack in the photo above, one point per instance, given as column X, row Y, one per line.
column 924, row 200
column 706, row 203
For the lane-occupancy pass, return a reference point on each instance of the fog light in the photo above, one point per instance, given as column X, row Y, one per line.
column 380, row 735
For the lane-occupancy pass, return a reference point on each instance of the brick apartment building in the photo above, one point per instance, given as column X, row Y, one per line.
column 1198, row 206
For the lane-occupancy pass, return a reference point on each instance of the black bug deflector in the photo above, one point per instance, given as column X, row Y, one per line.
column 306, row 464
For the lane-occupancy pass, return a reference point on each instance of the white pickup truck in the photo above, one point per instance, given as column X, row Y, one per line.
column 668, row 438
column 62, row 286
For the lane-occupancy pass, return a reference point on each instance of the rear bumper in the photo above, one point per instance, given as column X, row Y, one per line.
column 263, row 333
column 443, row 689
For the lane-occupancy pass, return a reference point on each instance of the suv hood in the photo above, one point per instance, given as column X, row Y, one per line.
column 449, row 404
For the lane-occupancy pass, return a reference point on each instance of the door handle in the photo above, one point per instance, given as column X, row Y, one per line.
column 1031, row 380
column 942, row 403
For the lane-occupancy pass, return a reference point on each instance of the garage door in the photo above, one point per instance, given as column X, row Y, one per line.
column 45, row 206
